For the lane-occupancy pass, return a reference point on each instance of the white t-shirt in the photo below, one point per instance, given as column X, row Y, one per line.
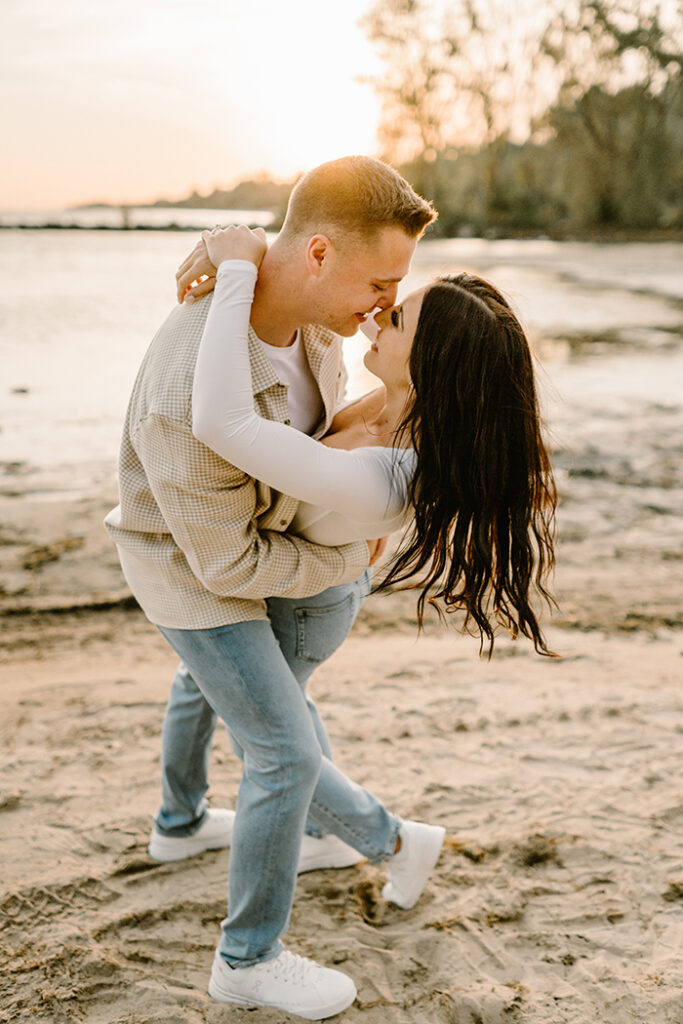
column 344, row 495
column 304, row 400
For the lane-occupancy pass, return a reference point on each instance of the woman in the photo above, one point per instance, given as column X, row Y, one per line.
column 452, row 434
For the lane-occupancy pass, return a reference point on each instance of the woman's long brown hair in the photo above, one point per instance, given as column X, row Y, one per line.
column 483, row 490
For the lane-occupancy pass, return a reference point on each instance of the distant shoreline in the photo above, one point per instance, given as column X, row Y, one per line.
column 654, row 235
column 51, row 226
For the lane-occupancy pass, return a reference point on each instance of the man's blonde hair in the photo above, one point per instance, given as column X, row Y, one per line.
column 355, row 197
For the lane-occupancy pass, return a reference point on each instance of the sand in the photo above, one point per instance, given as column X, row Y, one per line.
column 558, row 896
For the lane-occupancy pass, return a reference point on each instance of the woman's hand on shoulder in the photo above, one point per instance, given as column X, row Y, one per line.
column 236, row 242
column 196, row 276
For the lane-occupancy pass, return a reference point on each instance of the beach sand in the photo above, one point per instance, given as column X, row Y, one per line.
column 559, row 893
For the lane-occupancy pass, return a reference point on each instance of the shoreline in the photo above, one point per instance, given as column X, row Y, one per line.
column 624, row 236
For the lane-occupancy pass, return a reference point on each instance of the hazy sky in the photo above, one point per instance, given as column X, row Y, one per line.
column 131, row 101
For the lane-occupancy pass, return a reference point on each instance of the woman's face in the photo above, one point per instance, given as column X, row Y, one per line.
column 392, row 340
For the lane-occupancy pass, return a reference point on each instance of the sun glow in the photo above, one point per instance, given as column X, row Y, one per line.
column 132, row 102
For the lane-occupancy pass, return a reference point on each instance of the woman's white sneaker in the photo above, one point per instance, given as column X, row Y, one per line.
column 287, row 982
column 214, row 833
column 409, row 869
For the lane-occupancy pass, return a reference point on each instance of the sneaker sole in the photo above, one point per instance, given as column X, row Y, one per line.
column 216, row 991
column 166, row 849
column 432, row 844
column 321, row 862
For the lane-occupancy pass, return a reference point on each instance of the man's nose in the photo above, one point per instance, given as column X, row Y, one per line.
column 388, row 297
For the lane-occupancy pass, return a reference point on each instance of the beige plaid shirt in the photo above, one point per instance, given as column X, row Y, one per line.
column 201, row 543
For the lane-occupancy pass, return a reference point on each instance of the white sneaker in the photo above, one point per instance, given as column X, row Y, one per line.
column 214, row 833
column 287, row 982
column 326, row 852
column 409, row 869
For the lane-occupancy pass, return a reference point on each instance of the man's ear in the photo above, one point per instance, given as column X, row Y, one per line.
column 318, row 252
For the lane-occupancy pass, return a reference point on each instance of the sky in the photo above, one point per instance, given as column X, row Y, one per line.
column 132, row 101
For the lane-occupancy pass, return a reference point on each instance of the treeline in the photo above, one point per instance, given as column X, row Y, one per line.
column 253, row 194
column 572, row 124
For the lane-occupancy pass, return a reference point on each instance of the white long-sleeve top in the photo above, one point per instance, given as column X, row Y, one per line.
column 344, row 495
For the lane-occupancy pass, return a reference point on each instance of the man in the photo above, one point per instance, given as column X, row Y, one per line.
column 205, row 551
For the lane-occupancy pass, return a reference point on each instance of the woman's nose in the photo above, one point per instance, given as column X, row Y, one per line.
column 382, row 316
column 370, row 328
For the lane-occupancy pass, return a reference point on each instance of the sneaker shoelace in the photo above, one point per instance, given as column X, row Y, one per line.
column 291, row 967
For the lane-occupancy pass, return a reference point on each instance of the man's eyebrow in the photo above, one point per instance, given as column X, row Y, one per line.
column 388, row 280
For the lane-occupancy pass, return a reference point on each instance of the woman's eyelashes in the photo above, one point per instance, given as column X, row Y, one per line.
column 394, row 317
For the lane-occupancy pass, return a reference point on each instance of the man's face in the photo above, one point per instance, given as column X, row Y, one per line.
column 356, row 279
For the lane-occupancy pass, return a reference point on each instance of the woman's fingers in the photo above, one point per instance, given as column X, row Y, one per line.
column 196, row 265
column 197, row 251
column 236, row 242
column 196, row 291
column 232, row 242
column 197, row 270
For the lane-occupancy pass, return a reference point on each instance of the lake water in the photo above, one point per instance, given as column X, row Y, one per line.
column 134, row 216
column 79, row 308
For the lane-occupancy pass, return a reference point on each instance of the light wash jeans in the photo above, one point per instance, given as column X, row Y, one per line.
column 253, row 675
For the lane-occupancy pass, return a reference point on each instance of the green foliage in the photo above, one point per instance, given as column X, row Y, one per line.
column 573, row 125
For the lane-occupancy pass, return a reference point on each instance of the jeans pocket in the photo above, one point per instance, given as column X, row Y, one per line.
column 320, row 631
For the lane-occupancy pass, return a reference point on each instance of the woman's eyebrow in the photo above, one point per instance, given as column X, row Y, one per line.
column 400, row 316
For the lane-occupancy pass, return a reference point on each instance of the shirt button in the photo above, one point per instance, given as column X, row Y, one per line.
column 283, row 522
column 288, row 423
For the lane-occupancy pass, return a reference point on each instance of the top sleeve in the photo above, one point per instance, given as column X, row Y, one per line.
column 353, row 483
column 209, row 510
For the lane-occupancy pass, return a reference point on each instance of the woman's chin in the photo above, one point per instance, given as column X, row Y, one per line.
column 370, row 364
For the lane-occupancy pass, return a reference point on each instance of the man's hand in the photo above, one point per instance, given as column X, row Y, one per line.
column 196, row 276
column 377, row 548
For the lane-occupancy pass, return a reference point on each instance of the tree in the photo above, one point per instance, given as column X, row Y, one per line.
column 615, row 127
column 415, row 91
column 457, row 79
column 571, row 118
column 614, row 44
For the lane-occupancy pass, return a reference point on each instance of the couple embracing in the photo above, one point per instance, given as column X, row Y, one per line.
column 253, row 501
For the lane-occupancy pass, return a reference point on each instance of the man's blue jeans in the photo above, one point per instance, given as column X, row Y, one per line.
column 253, row 675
